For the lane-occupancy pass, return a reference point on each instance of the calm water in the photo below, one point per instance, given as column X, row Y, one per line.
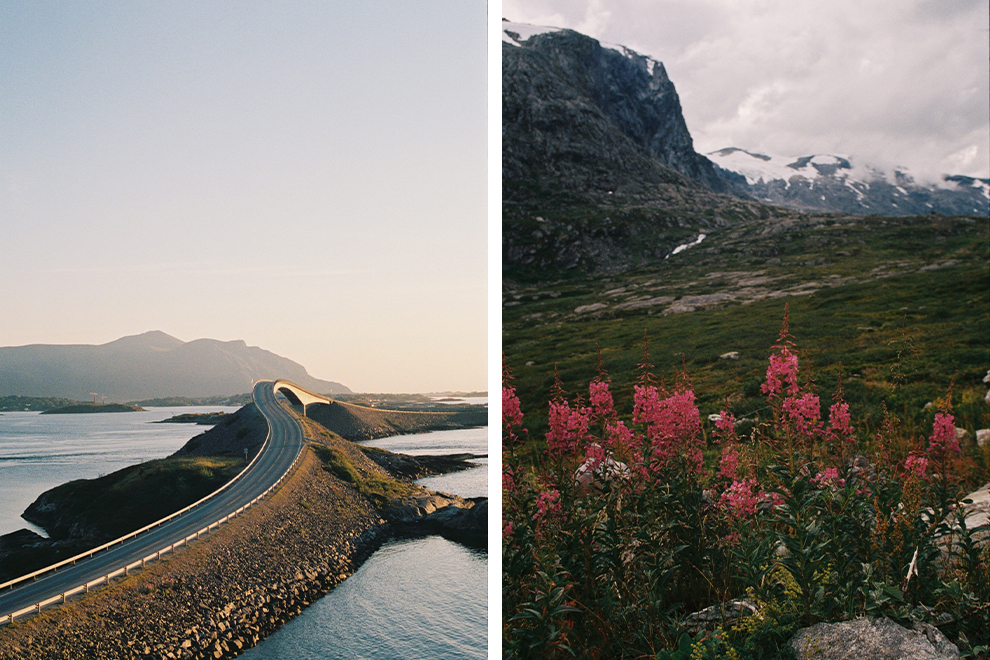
column 413, row 599
column 419, row 598
column 39, row 452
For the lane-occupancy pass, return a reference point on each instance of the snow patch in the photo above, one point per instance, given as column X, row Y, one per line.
column 681, row 248
column 523, row 32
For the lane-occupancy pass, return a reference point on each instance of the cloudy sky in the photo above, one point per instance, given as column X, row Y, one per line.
column 308, row 177
column 893, row 83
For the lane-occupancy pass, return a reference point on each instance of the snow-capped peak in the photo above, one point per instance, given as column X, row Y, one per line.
column 758, row 167
column 827, row 181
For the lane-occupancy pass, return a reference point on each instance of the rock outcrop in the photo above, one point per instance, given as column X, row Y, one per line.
column 865, row 639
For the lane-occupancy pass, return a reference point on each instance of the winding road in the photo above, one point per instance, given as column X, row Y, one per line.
column 277, row 456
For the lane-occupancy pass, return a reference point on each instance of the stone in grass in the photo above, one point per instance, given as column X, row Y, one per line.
column 982, row 437
column 731, row 355
column 723, row 615
column 865, row 639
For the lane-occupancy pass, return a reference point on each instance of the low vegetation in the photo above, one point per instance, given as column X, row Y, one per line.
column 622, row 520
column 137, row 496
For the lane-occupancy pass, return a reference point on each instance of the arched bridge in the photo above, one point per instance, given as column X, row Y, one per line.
column 297, row 395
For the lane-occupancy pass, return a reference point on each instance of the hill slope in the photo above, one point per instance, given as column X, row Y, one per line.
column 146, row 366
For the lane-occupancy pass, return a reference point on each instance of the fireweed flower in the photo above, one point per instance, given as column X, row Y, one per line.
column 508, row 483
column 725, row 427
column 830, row 477
column 547, row 505
column 740, row 500
column 673, row 424
column 917, row 464
column 600, row 400
column 804, row 414
column 729, row 465
column 943, row 438
column 512, row 415
column 781, row 374
column 568, row 427
column 839, row 422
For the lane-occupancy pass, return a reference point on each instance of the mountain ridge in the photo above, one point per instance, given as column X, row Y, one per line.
column 147, row 366
column 599, row 171
column 841, row 184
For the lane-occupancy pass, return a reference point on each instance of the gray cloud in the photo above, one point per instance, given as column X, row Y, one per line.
column 903, row 84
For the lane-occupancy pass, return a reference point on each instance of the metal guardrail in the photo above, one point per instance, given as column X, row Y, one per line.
column 105, row 579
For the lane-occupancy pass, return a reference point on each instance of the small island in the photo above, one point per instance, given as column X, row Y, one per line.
column 78, row 408
column 208, row 419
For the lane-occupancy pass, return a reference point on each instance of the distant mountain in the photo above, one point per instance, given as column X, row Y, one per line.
column 146, row 366
column 830, row 183
column 599, row 170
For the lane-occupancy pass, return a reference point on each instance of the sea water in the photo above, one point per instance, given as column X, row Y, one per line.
column 420, row 598
column 39, row 452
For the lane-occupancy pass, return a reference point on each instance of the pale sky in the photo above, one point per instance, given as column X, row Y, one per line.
column 310, row 177
column 901, row 83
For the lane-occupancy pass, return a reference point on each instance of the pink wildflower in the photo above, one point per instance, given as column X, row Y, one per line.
column 673, row 424
column 508, row 483
column 725, row 427
column 804, row 413
column 619, row 438
column 601, row 400
column 917, row 464
column 739, row 498
column 506, row 530
column 828, row 478
column 512, row 415
column 839, row 422
column 568, row 427
column 781, row 374
column 729, row 465
column 943, row 438
column 547, row 505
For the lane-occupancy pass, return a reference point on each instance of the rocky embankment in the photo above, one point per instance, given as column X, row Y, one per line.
column 225, row 593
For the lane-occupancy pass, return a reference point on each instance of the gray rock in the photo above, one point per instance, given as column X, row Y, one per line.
column 731, row 355
column 724, row 614
column 982, row 437
column 865, row 639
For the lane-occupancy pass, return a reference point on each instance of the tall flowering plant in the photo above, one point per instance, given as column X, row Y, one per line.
column 788, row 517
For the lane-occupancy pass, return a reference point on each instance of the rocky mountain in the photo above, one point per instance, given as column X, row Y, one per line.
column 599, row 169
column 831, row 183
column 584, row 115
column 146, row 366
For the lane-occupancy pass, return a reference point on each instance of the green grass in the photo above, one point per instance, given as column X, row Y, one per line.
column 381, row 491
column 929, row 328
column 128, row 499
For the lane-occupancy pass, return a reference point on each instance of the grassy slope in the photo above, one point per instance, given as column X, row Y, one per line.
column 137, row 495
column 361, row 423
column 921, row 284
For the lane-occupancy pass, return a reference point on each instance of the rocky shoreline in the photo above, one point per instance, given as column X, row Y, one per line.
column 228, row 591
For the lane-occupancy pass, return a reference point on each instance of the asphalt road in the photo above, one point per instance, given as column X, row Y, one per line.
column 284, row 443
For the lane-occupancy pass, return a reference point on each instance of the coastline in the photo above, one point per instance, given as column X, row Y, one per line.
column 226, row 592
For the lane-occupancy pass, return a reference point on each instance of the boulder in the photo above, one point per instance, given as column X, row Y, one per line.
column 865, row 639
column 722, row 615
column 595, row 471
column 731, row 355
column 982, row 437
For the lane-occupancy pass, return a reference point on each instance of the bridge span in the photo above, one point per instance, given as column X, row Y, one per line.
column 280, row 452
column 298, row 395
